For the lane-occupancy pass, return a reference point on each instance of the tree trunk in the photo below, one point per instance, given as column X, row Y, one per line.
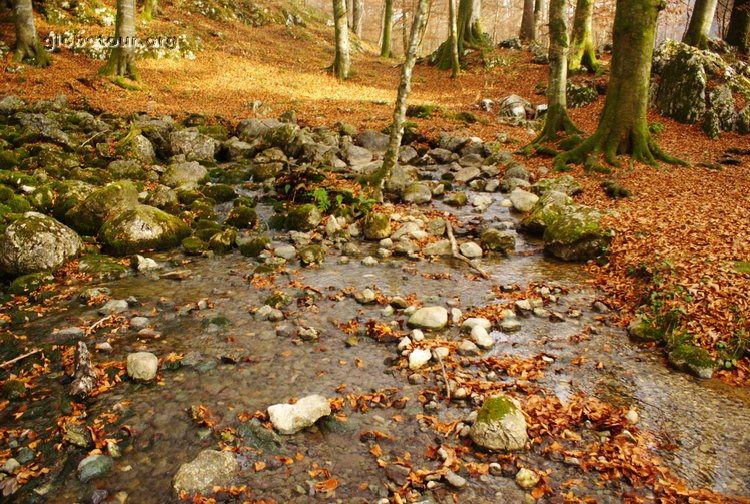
column 349, row 18
column 582, row 52
column 739, row 26
column 121, row 62
column 452, row 18
column 700, row 23
column 470, row 34
column 623, row 125
column 341, row 62
column 358, row 9
column 540, row 7
column 557, row 107
column 150, row 10
column 28, row 46
column 385, row 48
column 404, row 89
column 528, row 27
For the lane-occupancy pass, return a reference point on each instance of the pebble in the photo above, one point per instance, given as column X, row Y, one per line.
column 496, row 469
column 441, row 352
column 527, row 478
column 114, row 306
column 11, row 465
column 417, row 335
column 138, row 323
column 369, row 261
column 418, row 358
column 632, row 416
column 468, row 347
column 470, row 323
column 142, row 366
column 510, row 325
column 404, row 343
column 481, row 337
column 455, row 480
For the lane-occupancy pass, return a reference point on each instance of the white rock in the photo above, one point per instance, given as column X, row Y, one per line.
column 142, row 366
column 523, row 201
column 468, row 347
column 417, row 335
column 430, row 318
column 441, row 352
column 510, row 325
column 471, row 250
column 404, row 343
column 482, row 202
column 210, row 468
column 500, row 424
column 527, row 478
column 292, row 418
column 470, row 323
column 287, row 252
column 456, row 315
column 418, row 358
column 481, row 337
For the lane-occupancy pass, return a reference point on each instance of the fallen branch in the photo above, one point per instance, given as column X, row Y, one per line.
column 98, row 323
column 20, row 357
column 445, row 376
column 457, row 254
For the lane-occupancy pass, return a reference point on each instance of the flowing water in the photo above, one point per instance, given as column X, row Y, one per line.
column 247, row 365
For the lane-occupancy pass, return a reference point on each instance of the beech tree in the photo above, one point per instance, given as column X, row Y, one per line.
column 528, row 25
column 700, row 23
column 28, row 46
column 623, row 125
column 150, row 10
column 341, row 61
column 469, row 34
column 739, row 26
column 557, row 119
column 404, row 89
column 358, row 9
column 452, row 19
column 540, row 7
column 385, row 47
column 582, row 51
column 121, row 61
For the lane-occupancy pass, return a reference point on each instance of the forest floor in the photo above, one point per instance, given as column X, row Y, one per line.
column 682, row 240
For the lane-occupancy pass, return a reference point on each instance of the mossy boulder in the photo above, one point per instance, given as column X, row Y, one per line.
column 417, row 193
column 103, row 268
column 25, row 284
column 194, row 245
column 254, row 246
column 223, row 242
column 101, row 205
column 682, row 88
column 458, row 199
column 500, row 425
column 377, row 226
column 206, row 228
column 189, row 173
column 242, row 217
column 36, row 243
column 694, row 360
column 641, row 330
column 546, row 211
column 565, row 184
column 495, row 240
column 141, row 228
column 193, row 144
column 303, row 217
column 266, row 171
column 68, row 194
column 164, row 198
column 203, row 209
column 311, row 254
column 126, row 169
column 221, row 193
column 577, row 235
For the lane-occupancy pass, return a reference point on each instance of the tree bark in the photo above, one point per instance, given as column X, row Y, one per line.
column 470, row 34
column 557, row 107
column 700, row 23
column 358, row 9
column 385, row 48
column 121, row 62
column 528, row 27
column 453, row 20
column 150, row 10
column 28, row 46
column 341, row 62
column 623, row 125
column 739, row 26
column 540, row 7
column 582, row 51
column 404, row 89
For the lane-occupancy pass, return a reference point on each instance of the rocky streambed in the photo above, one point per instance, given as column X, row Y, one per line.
column 293, row 341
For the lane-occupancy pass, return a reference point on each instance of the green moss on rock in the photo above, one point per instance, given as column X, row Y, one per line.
column 303, row 218
column 254, row 246
column 141, row 228
column 242, row 217
column 694, row 360
column 577, row 235
column 101, row 205
column 377, row 226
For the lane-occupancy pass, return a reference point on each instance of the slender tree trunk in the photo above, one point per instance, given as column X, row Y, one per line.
column 700, row 23
column 470, row 34
column 452, row 18
column 404, row 89
column 528, row 27
column 28, row 46
column 540, row 7
column 150, row 10
column 739, row 26
column 385, row 48
column 404, row 27
column 582, row 51
column 557, row 107
column 349, row 18
column 341, row 62
column 623, row 125
column 121, row 62
column 358, row 9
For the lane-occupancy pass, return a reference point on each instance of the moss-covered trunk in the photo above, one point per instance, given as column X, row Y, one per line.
column 28, row 46
column 150, row 10
column 358, row 10
column 470, row 34
column 385, row 47
column 739, row 26
column 121, row 62
column 404, row 89
column 623, row 125
column 341, row 62
column 528, row 27
column 453, row 20
column 700, row 23
column 557, row 114
column 582, row 51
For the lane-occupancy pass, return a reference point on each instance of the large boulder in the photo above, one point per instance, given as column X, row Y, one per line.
column 141, row 228
column 377, row 226
column 184, row 174
column 514, row 106
column 303, row 217
column 694, row 360
column 292, row 418
column 101, row 205
column 35, row 243
column 373, row 141
column 500, row 425
column 565, row 184
column 417, row 193
column 497, row 240
column 210, row 468
column 193, row 144
column 547, row 210
column 523, row 201
column 682, row 88
column 577, row 235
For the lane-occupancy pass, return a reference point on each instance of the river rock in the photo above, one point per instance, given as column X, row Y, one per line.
column 94, row 466
column 417, row 193
column 439, row 248
column 523, row 201
column 377, row 226
column 292, row 418
column 189, row 173
column 303, row 217
column 577, row 235
column 481, row 337
column 471, row 250
column 193, row 144
column 141, row 228
column 496, row 240
column 526, row 478
column 142, row 366
column 102, row 205
column 36, row 243
column 694, row 360
column 471, row 323
column 418, row 358
column 565, row 184
column 500, row 424
column 546, row 211
column 210, row 468
column 431, row 318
